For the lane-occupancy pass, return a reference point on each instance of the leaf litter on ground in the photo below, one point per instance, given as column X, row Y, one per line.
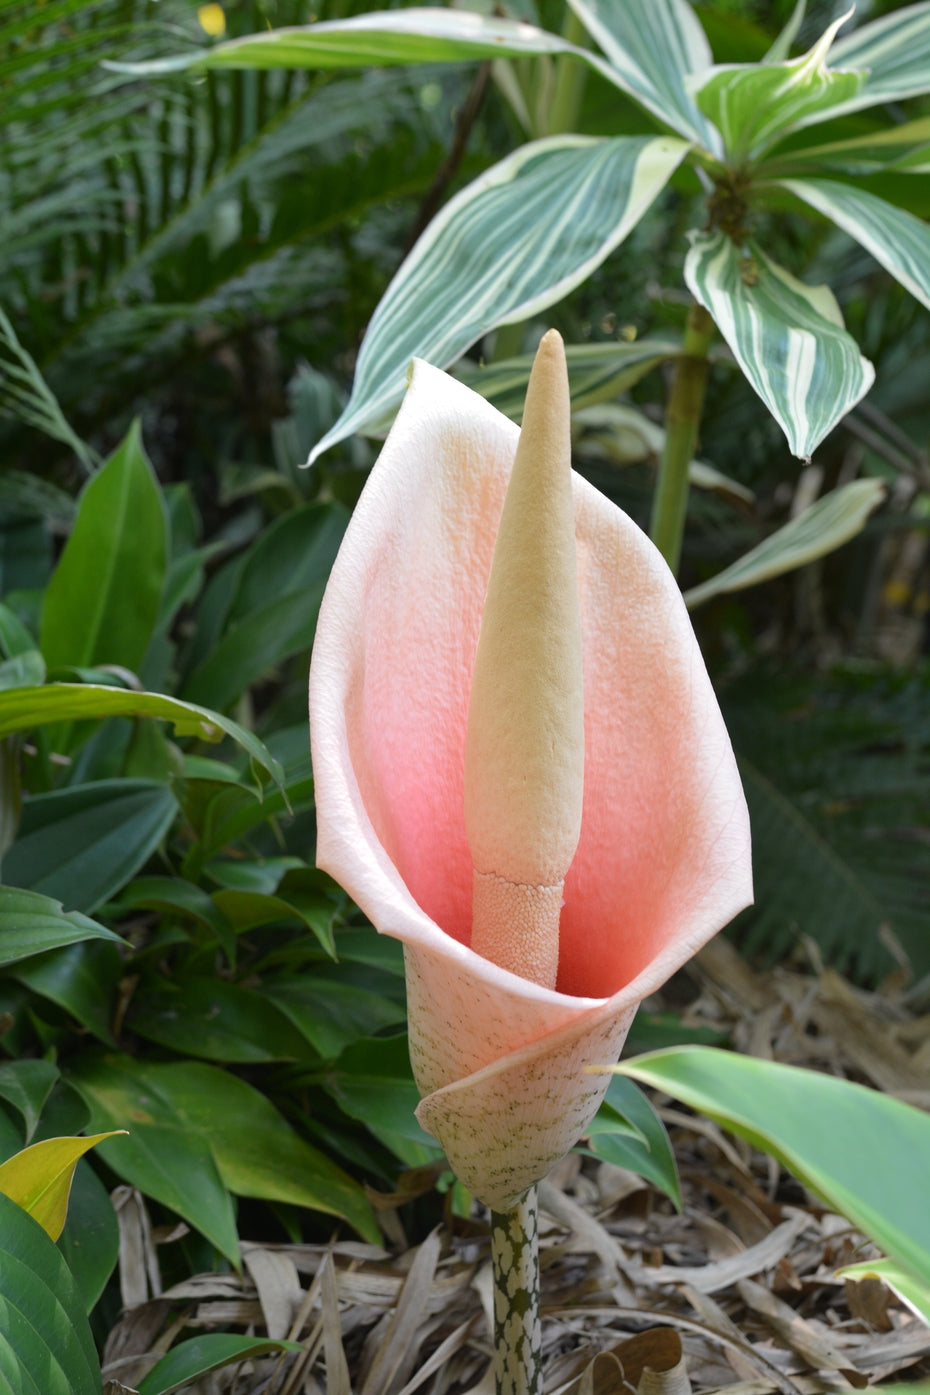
column 737, row 1293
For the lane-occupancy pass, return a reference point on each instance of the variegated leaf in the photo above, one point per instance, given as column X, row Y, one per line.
column 624, row 435
column 652, row 48
column 896, row 239
column 596, row 372
column 820, row 529
column 755, row 105
column 788, row 338
column 378, row 39
column 781, row 48
column 896, row 51
column 519, row 238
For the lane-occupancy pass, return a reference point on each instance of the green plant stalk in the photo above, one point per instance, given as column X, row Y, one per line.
column 571, row 74
column 517, row 1324
column 682, row 424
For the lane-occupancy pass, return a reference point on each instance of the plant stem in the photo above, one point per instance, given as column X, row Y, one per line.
column 571, row 74
column 517, row 1326
column 682, row 423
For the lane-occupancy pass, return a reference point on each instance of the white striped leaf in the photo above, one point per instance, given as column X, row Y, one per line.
column 623, row 435
column 378, row 39
column 517, row 239
column 896, row 51
column 596, row 372
column 652, row 48
column 896, row 239
column 820, row 529
column 788, row 338
column 649, row 49
column 755, row 105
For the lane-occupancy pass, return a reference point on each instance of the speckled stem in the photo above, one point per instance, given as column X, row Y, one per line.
column 517, row 1326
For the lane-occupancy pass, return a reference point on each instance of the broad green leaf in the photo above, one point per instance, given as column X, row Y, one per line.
column 198, row 1355
column 820, row 529
column 372, row 1082
column 378, row 39
column 30, row 924
column 652, row 49
column 26, row 1085
column 627, row 1131
column 903, row 148
column 787, row 338
column 519, row 238
column 254, row 1151
column 896, row 51
column 270, row 613
column 81, row 844
column 179, row 898
column 260, row 875
column 162, row 1155
column 332, row 1009
column 39, row 1178
column 298, row 897
column 911, row 1291
column 102, row 601
column 46, row 1347
column 596, row 373
column 21, row 709
column 216, row 1021
column 896, row 239
column 866, row 1154
column 755, row 105
column 173, row 1165
column 223, row 813
column 82, row 979
column 90, row 1239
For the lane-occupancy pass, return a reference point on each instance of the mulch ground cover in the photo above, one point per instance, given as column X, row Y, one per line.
column 737, row 1293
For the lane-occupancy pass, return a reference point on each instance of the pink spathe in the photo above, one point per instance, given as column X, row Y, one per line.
column 663, row 859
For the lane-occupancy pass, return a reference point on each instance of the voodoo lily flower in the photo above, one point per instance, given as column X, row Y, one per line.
column 562, row 795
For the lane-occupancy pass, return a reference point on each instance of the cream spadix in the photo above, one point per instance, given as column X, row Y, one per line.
column 524, row 753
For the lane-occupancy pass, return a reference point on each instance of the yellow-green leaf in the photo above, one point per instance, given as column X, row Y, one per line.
column 39, row 1178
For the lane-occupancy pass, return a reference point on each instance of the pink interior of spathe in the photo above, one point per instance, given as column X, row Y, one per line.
column 650, row 851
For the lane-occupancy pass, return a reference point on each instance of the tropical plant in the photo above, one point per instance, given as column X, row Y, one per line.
column 536, row 225
column 166, row 230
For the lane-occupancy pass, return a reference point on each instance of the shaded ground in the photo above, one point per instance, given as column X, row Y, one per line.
column 738, row 1293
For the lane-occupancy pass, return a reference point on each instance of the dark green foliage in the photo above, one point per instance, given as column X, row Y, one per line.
column 45, row 1346
column 837, row 775
column 205, row 254
column 155, row 228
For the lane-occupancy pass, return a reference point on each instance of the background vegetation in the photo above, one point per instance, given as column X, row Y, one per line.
column 188, row 266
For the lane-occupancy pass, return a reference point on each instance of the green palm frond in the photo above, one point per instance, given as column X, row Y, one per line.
column 25, row 395
column 836, row 775
column 144, row 221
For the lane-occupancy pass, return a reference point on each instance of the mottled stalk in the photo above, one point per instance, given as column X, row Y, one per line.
column 517, row 1326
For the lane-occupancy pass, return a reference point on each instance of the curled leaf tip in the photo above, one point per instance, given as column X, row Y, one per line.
column 524, row 755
